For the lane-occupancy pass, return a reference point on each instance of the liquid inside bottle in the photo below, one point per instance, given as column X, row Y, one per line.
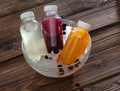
column 52, row 29
column 32, row 36
column 75, row 45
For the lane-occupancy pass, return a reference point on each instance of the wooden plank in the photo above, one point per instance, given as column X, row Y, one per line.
column 99, row 17
column 64, row 10
column 10, row 47
column 111, row 84
column 13, row 6
column 18, row 70
column 91, row 72
column 13, row 30
column 106, row 38
column 16, row 74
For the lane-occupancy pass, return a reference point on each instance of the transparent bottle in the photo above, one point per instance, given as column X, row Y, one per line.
column 32, row 36
column 52, row 29
column 75, row 44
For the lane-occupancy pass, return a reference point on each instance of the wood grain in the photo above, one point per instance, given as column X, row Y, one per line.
column 101, row 63
column 99, row 17
column 101, row 71
column 13, row 30
column 10, row 47
column 8, row 7
column 108, row 37
column 109, row 84
column 96, row 71
column 64, row 10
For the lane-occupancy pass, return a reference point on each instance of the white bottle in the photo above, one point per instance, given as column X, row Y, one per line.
column 32, row 36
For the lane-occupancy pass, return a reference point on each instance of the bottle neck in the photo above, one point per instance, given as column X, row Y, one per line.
column 51, row 13
column 24, row 20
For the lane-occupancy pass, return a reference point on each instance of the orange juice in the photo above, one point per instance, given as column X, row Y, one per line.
column 75, row 45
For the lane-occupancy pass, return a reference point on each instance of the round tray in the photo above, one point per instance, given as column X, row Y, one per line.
column 50, row 68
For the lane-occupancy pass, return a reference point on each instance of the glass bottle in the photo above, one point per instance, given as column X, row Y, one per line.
column 52, row 29
column 32, row 36
column 75, row 44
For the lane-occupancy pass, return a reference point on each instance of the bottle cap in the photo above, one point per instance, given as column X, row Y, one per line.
column 27, row 14
column 50, row 7
column 84, row 25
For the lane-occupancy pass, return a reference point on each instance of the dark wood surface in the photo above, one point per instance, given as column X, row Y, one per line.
column 100, row 73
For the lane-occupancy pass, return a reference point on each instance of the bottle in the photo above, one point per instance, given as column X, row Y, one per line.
column 52, row 29
column 32, row 36
column 76, row 44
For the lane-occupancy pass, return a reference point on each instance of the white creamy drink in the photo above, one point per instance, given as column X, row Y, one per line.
column 32, row 36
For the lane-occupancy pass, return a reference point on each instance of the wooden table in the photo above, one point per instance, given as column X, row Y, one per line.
column 100, row 73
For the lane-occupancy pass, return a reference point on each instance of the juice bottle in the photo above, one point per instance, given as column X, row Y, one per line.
column 32, row 36
column 52, row 29
column 76, row 43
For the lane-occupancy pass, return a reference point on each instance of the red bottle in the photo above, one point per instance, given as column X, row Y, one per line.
column 52, row 29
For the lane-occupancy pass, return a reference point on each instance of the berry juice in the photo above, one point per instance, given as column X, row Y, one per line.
column 52, row 30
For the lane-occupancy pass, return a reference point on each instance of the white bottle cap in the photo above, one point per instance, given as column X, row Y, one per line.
column 27, row 14
column 50, row 7
column 84, row 25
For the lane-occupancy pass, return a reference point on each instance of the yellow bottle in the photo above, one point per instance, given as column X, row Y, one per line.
column 76, row 43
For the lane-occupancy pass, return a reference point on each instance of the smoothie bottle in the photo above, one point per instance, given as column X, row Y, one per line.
column 76, row 43
column 32, row 36
column 52, row 29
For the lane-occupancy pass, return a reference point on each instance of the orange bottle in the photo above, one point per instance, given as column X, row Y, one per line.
column 76, row 43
